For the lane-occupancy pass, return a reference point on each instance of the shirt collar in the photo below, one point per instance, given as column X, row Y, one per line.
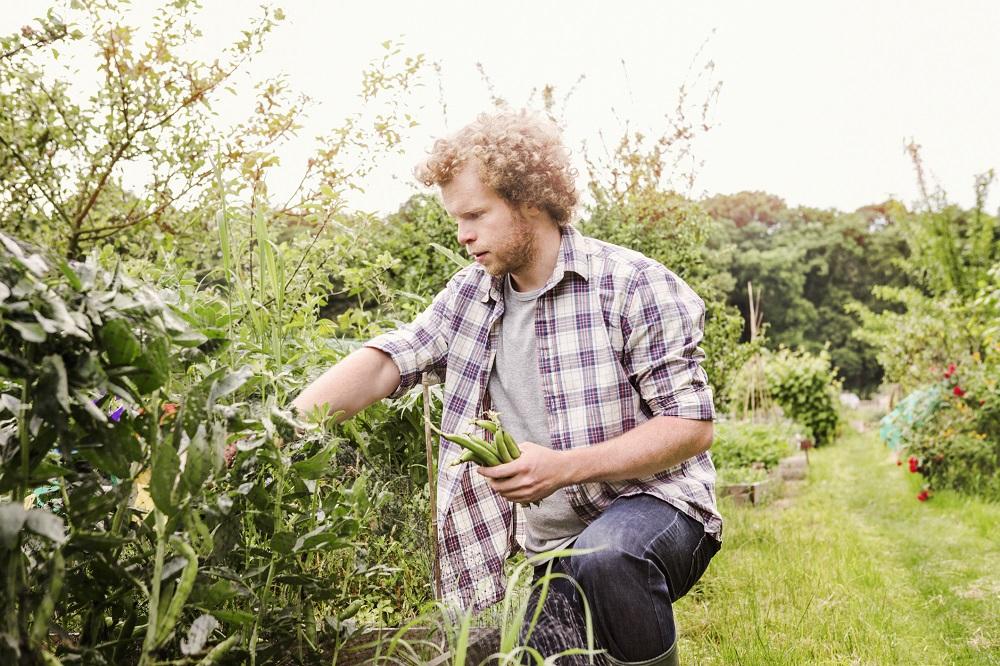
column 572, row 258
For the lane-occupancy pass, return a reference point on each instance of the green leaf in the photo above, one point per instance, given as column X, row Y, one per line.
column 46, row 524
column 61, row 317
column 12, row 517
column 283, row 542
column 228, row 384
column 30, row 331
column 188, row 338
column 103, row 460
column 52, row 401
column 233, row 616
column 120, row 440
column 455, row 258
column 46, row 470
column 218, row 593
column 119, row 343
column 166, row 465
column 34, row 263
column 152, row 366
column 199, row 633
column 91, row 541
column 10, row 403
column 199, row 463
column 88, row 405
column 314, row 467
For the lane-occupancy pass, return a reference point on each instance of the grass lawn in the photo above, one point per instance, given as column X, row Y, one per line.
column 850, row 569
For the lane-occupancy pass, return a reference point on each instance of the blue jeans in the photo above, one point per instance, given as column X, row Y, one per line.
column 650, row 555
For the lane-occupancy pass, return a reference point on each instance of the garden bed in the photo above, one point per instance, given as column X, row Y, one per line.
column 765, row 487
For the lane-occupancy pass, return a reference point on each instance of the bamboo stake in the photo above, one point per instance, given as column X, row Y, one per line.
column 432, row 482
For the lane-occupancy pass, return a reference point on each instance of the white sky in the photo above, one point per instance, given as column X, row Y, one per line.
column 817, row 98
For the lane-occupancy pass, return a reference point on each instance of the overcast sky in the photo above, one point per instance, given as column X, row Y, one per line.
column 817, row 98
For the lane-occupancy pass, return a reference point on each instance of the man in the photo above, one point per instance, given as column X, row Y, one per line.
column 589, row 352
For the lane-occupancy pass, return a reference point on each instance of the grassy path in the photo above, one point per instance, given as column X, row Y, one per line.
column 851, row 570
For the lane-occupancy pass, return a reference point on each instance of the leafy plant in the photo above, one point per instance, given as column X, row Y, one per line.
column 806, row 388
column 739, row 444
column 957, row 443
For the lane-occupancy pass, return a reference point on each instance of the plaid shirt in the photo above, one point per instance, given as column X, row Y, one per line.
column 617, row 337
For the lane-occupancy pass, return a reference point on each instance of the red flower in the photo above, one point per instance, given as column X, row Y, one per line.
column 958, row 391
column 923, row 495
column 914, row 464
column 950, row 371
column 230, row 454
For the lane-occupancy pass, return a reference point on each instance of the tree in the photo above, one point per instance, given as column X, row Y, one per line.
column 810, row 265
column 64, row 159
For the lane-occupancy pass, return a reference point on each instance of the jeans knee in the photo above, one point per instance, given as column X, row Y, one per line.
column 606, row 566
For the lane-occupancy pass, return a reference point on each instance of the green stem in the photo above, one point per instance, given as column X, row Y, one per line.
column 266, row 595
column 10, row 591
column 154, row 599
column 24, row 442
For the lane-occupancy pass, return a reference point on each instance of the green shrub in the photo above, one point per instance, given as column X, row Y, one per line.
column 739, row 444
column 963, row 462
column 958, row 445
column 806, row 387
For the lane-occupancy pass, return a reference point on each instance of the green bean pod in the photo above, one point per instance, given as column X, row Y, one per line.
column 512, row 447
column 350, row 611
column 483, row 452
column 467, row 456
column 502, row 451
column 486, row 424
column 489, row 447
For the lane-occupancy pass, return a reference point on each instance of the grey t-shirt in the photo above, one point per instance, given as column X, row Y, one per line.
column 516, row 393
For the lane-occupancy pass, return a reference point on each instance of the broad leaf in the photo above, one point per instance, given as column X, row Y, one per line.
column 317, row 465
column 30, row 331
column 166, row 465
column 46, row 524
column 52, row 401
column 119, row 343
column 152, row 366
column 12, row 517
column 198, row 635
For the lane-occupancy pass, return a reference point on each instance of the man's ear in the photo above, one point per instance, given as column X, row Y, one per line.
column 530, row 212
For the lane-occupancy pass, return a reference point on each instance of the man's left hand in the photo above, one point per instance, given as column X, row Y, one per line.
column 535, row 475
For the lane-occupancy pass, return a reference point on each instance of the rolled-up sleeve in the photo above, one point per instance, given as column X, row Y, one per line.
column 420, row 346
column 663, row 324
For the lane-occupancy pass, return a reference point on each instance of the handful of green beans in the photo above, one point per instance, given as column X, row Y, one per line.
column 503, row 448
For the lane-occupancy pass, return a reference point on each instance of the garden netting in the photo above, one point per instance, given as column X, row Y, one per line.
column 912, row 412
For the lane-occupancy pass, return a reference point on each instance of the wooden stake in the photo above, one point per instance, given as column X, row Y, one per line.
column 431, row 482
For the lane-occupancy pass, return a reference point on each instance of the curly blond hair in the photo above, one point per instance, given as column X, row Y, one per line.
column 521, row 157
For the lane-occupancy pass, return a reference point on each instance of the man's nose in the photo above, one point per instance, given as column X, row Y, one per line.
column 466, row 235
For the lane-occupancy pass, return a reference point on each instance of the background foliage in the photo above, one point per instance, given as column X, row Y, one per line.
column 946, row 339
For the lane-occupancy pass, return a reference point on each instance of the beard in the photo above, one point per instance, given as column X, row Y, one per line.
column 517, row 251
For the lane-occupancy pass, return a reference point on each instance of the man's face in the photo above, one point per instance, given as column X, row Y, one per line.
column 491, row 230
